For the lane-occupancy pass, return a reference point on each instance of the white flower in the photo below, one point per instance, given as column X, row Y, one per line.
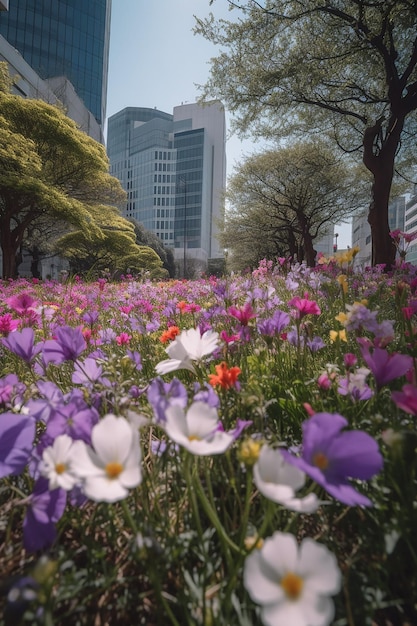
column 278, row 481
column 187, row 347
column 113, row 467
column 57, row 463
column 197, row 430
column 292, row 583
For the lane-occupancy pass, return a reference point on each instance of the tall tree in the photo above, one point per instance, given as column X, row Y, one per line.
column 284, row 200
column 346, row 68
column 48, row 169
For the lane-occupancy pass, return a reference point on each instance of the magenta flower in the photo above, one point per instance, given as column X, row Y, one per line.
column 385, row 366
column 330, row 457
column 406, row 399
column 304, row 307
column 17, row 433
column 8, row 324
column 22, row 343
column 243, row 314
column 21, row 303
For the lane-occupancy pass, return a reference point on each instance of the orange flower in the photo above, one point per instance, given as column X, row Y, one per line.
column 224, row 377
column 170, row 334
column 181, row 305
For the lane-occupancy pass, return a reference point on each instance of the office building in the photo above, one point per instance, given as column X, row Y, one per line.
column 173, row 169
column 64, row 38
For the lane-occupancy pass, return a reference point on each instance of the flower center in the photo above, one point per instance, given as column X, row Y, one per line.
column 113, row 469
column 320, row 460
column 292, row 585
column 60, row 468
column 194, row 438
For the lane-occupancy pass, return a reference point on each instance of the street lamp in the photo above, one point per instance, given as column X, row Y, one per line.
column 336, row 235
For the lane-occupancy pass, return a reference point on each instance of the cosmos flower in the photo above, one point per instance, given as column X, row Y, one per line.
column 111, row 466
column 292, row 583
column 187, row 347
column 278, row 481
column 198, row 429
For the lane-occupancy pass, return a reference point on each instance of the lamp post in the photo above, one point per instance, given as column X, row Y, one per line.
column 336, row 235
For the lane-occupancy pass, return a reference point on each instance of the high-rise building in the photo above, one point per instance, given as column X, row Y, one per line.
column 64, row 38
column 173, row 169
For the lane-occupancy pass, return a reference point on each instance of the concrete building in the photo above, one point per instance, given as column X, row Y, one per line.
column 361, row 230
column 64, row 38
column 173, row 169
column 410, row 226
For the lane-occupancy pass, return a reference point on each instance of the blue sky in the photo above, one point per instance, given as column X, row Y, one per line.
column 157, row 61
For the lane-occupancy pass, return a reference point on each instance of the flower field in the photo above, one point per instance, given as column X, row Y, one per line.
column 234, row 451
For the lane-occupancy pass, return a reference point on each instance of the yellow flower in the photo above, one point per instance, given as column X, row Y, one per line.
column 342, row 317
column 338, row 335
column 342, row 280
column 249, row 452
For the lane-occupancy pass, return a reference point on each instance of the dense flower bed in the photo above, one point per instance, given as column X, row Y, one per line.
column 233, row 451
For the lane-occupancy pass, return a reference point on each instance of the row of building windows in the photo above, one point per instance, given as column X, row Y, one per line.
column 162, row 155
column 164, row 167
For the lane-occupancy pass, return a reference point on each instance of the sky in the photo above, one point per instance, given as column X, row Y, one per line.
column 156, row 61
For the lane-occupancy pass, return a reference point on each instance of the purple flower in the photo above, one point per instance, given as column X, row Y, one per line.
column 385, row 366
column 207, row 395
column 17, row 433
column 44, row 510
column 41, row 408
column 67, row 346
column 11, row 390
column 75, row 418
column 136, row 358
column 315, row 344
column 88, row 372
column 161, row 395
column 22, row 343
column 330, row 457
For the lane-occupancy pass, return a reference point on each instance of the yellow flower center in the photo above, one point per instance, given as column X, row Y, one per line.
column 113, row 469
column 320, row 460
column 60, row 468
column 292, row 585
column 194, row 438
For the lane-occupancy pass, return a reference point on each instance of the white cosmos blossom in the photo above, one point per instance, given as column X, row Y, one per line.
column 190, row 345
column 113, row 467
column 278, row 481
column 197, row 430
column 292, row 583
column 57, row 463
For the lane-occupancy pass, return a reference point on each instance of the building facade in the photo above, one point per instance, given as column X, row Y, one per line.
column 64, row 38
column 361, row 230
column 173, row 169
column 410, row 226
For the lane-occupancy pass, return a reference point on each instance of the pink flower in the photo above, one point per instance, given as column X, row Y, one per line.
column 7, row 324
column 406, row 399
column 304, row 307
column 123, row 339
column 243, row 314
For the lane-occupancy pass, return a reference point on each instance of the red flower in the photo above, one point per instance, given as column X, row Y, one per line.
column 224, row 376
column 170, row 334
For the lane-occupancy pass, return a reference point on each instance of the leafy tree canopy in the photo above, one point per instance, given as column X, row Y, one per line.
column 283, row 200
column 51, row 170
column 344, row 68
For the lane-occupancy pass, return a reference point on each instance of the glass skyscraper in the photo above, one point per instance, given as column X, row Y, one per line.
column 173, row 169
column 64, row 38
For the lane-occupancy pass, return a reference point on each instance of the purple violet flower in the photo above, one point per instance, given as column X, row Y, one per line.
column 22, row 343
column 406, row 399
column 161, row 395
column 17, row 433
column 330, row 457
column 385, row 366
column 67, row 346
column 44, row 510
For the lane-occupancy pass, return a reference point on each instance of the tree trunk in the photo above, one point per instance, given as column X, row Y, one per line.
column 8, row 252
column 379, row 158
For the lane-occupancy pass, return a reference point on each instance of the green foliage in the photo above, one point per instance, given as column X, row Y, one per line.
column 51, row 172
column 344, row 69
column 282, row 201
